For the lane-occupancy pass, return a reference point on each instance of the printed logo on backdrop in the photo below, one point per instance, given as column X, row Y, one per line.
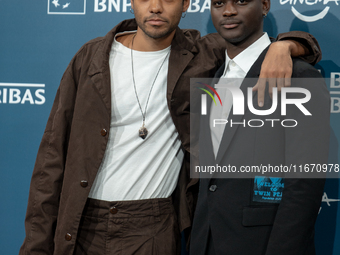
column 335, row 92
column 70, row 7
column 78, row 7
column 327, row 200
column 323, row 7
column 22, row 93
column 124, row 5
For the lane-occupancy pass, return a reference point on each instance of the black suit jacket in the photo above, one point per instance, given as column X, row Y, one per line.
column 227, row 209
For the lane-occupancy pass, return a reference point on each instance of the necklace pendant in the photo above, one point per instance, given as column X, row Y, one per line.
column 143, row 132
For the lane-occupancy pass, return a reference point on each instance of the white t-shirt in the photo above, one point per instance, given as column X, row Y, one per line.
column 134, row 168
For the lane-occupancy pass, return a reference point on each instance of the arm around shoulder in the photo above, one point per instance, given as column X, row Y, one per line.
column 312, row 51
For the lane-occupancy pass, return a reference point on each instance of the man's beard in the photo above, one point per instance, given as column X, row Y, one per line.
column 156, row 34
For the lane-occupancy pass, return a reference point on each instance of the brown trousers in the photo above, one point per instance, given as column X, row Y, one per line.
column 141, row 227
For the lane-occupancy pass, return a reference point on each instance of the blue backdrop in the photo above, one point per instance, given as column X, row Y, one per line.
column 39, row 38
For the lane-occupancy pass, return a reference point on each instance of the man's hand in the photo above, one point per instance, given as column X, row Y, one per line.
column 277, row 67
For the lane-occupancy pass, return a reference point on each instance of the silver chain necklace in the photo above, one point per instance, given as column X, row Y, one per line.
column 143, row 132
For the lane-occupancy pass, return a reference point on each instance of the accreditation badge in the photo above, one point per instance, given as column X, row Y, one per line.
column 268, row 189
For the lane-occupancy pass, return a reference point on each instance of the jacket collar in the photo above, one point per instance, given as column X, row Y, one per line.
column 100, row 61
column 183, row 50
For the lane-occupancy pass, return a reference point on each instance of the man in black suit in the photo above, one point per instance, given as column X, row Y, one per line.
column 259, row 214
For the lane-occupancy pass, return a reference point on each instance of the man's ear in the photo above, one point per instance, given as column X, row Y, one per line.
column 265, row 6
column 185, row 5
column 132, row 4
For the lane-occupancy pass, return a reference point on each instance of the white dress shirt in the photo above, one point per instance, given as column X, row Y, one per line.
column 235, row 71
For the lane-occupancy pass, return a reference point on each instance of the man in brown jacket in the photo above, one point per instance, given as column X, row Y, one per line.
column 110, row 160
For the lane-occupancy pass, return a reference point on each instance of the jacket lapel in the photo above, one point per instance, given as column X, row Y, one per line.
column 182, row 52
column 229, row 131
column 99, row 69
column 206, row 146
column 100, row 77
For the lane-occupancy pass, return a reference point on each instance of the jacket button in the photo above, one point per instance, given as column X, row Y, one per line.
column 113, row 210
column 84, row 184
column 103, row 132
column 68, row 237
column 212, row 188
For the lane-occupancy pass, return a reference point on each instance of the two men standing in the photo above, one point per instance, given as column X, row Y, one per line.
column 112, row 174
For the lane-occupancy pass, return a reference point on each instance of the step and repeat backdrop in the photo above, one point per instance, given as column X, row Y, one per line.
column 39, row 38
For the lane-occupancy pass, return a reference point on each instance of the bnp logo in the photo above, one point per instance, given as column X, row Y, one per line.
column 70, row 7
